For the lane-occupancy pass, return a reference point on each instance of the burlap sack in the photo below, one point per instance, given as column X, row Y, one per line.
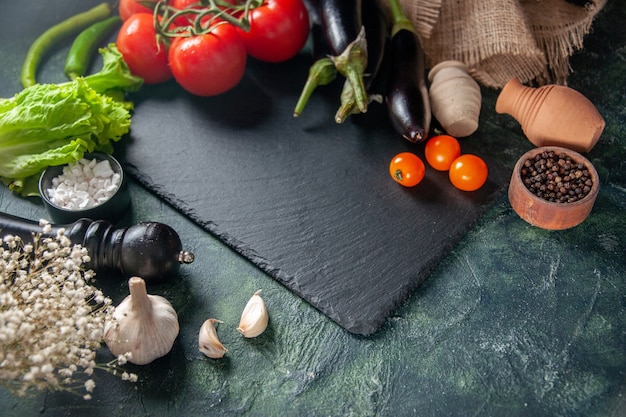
column 501, row 39
column 559, row 28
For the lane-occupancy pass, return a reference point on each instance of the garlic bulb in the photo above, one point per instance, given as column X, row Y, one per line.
column 254, row 318
column 143, row 324
column 208, row 343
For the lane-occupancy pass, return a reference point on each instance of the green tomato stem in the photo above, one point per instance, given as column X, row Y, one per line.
column 203, row 19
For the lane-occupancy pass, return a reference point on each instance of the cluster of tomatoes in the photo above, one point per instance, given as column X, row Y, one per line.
column 213, row 61
column 467, row 172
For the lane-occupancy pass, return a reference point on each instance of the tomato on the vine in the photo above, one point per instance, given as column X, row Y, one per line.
column 185, row 4
column 407, row 169
column 137, row 42
column 468, row 172
column 441, row 150
column 208, row 64
column 278, row 30
column 129, row 7
column 188, row 17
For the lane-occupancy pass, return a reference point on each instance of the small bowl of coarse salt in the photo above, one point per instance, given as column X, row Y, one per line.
column 93, row 187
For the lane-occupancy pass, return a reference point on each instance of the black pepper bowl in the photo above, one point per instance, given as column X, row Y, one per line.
column 111, row 210
column 539, row 210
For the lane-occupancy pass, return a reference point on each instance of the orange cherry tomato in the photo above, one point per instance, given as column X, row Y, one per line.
column 407, row 169
column 441, row 150
column 468, row 172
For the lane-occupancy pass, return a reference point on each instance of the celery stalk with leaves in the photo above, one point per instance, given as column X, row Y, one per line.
column 54, row 124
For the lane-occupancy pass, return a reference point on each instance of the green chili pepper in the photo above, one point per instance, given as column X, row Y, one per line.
column 85, row 44
column 55, row 34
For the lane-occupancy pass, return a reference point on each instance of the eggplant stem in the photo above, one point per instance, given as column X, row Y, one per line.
column 351, row 64
column 322, row 72
column 348, row 103
column 399, row 18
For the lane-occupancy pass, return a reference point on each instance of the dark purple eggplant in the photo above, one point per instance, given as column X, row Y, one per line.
column 320, row 48
column 342, row 22
column 150, row 250
column 407, row 98
column 376, row 33
column 345, row 35
column 312, row 8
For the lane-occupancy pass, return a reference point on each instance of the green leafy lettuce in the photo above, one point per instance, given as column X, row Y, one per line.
column 54, row 124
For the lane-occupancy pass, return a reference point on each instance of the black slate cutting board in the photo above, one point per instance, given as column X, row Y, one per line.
column 308, row 201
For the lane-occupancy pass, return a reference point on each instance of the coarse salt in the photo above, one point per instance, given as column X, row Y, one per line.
column 84, row 185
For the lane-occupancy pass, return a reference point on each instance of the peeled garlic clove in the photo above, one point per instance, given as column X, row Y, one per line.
column 208, row 343
column 254, row 318
column 143, row 325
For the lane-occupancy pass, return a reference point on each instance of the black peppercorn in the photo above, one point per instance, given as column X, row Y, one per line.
column 556, row 177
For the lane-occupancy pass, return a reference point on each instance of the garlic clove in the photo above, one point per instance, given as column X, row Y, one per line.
column 254, row 317
column 143, row 325
column 208, row 342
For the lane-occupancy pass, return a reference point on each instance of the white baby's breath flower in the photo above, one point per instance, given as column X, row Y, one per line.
column 89, row 385
column 9, row 240
column 51, row 319
column 36, row 358
column 122, row 359
column 47, row 368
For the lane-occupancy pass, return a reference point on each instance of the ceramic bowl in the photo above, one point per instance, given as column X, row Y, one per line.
column 112, row 209
column 543, row 213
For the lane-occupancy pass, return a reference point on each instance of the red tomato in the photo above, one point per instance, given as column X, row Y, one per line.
column 278, row 30
column 137, row 43
column 468, row 172
column 407, row 169
column 187, row 18
column 209, row 64
column 441, row 150
column 130, row 7
column 184, row 4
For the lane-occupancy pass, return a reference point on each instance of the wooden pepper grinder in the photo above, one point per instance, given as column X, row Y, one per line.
column 149, row 250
